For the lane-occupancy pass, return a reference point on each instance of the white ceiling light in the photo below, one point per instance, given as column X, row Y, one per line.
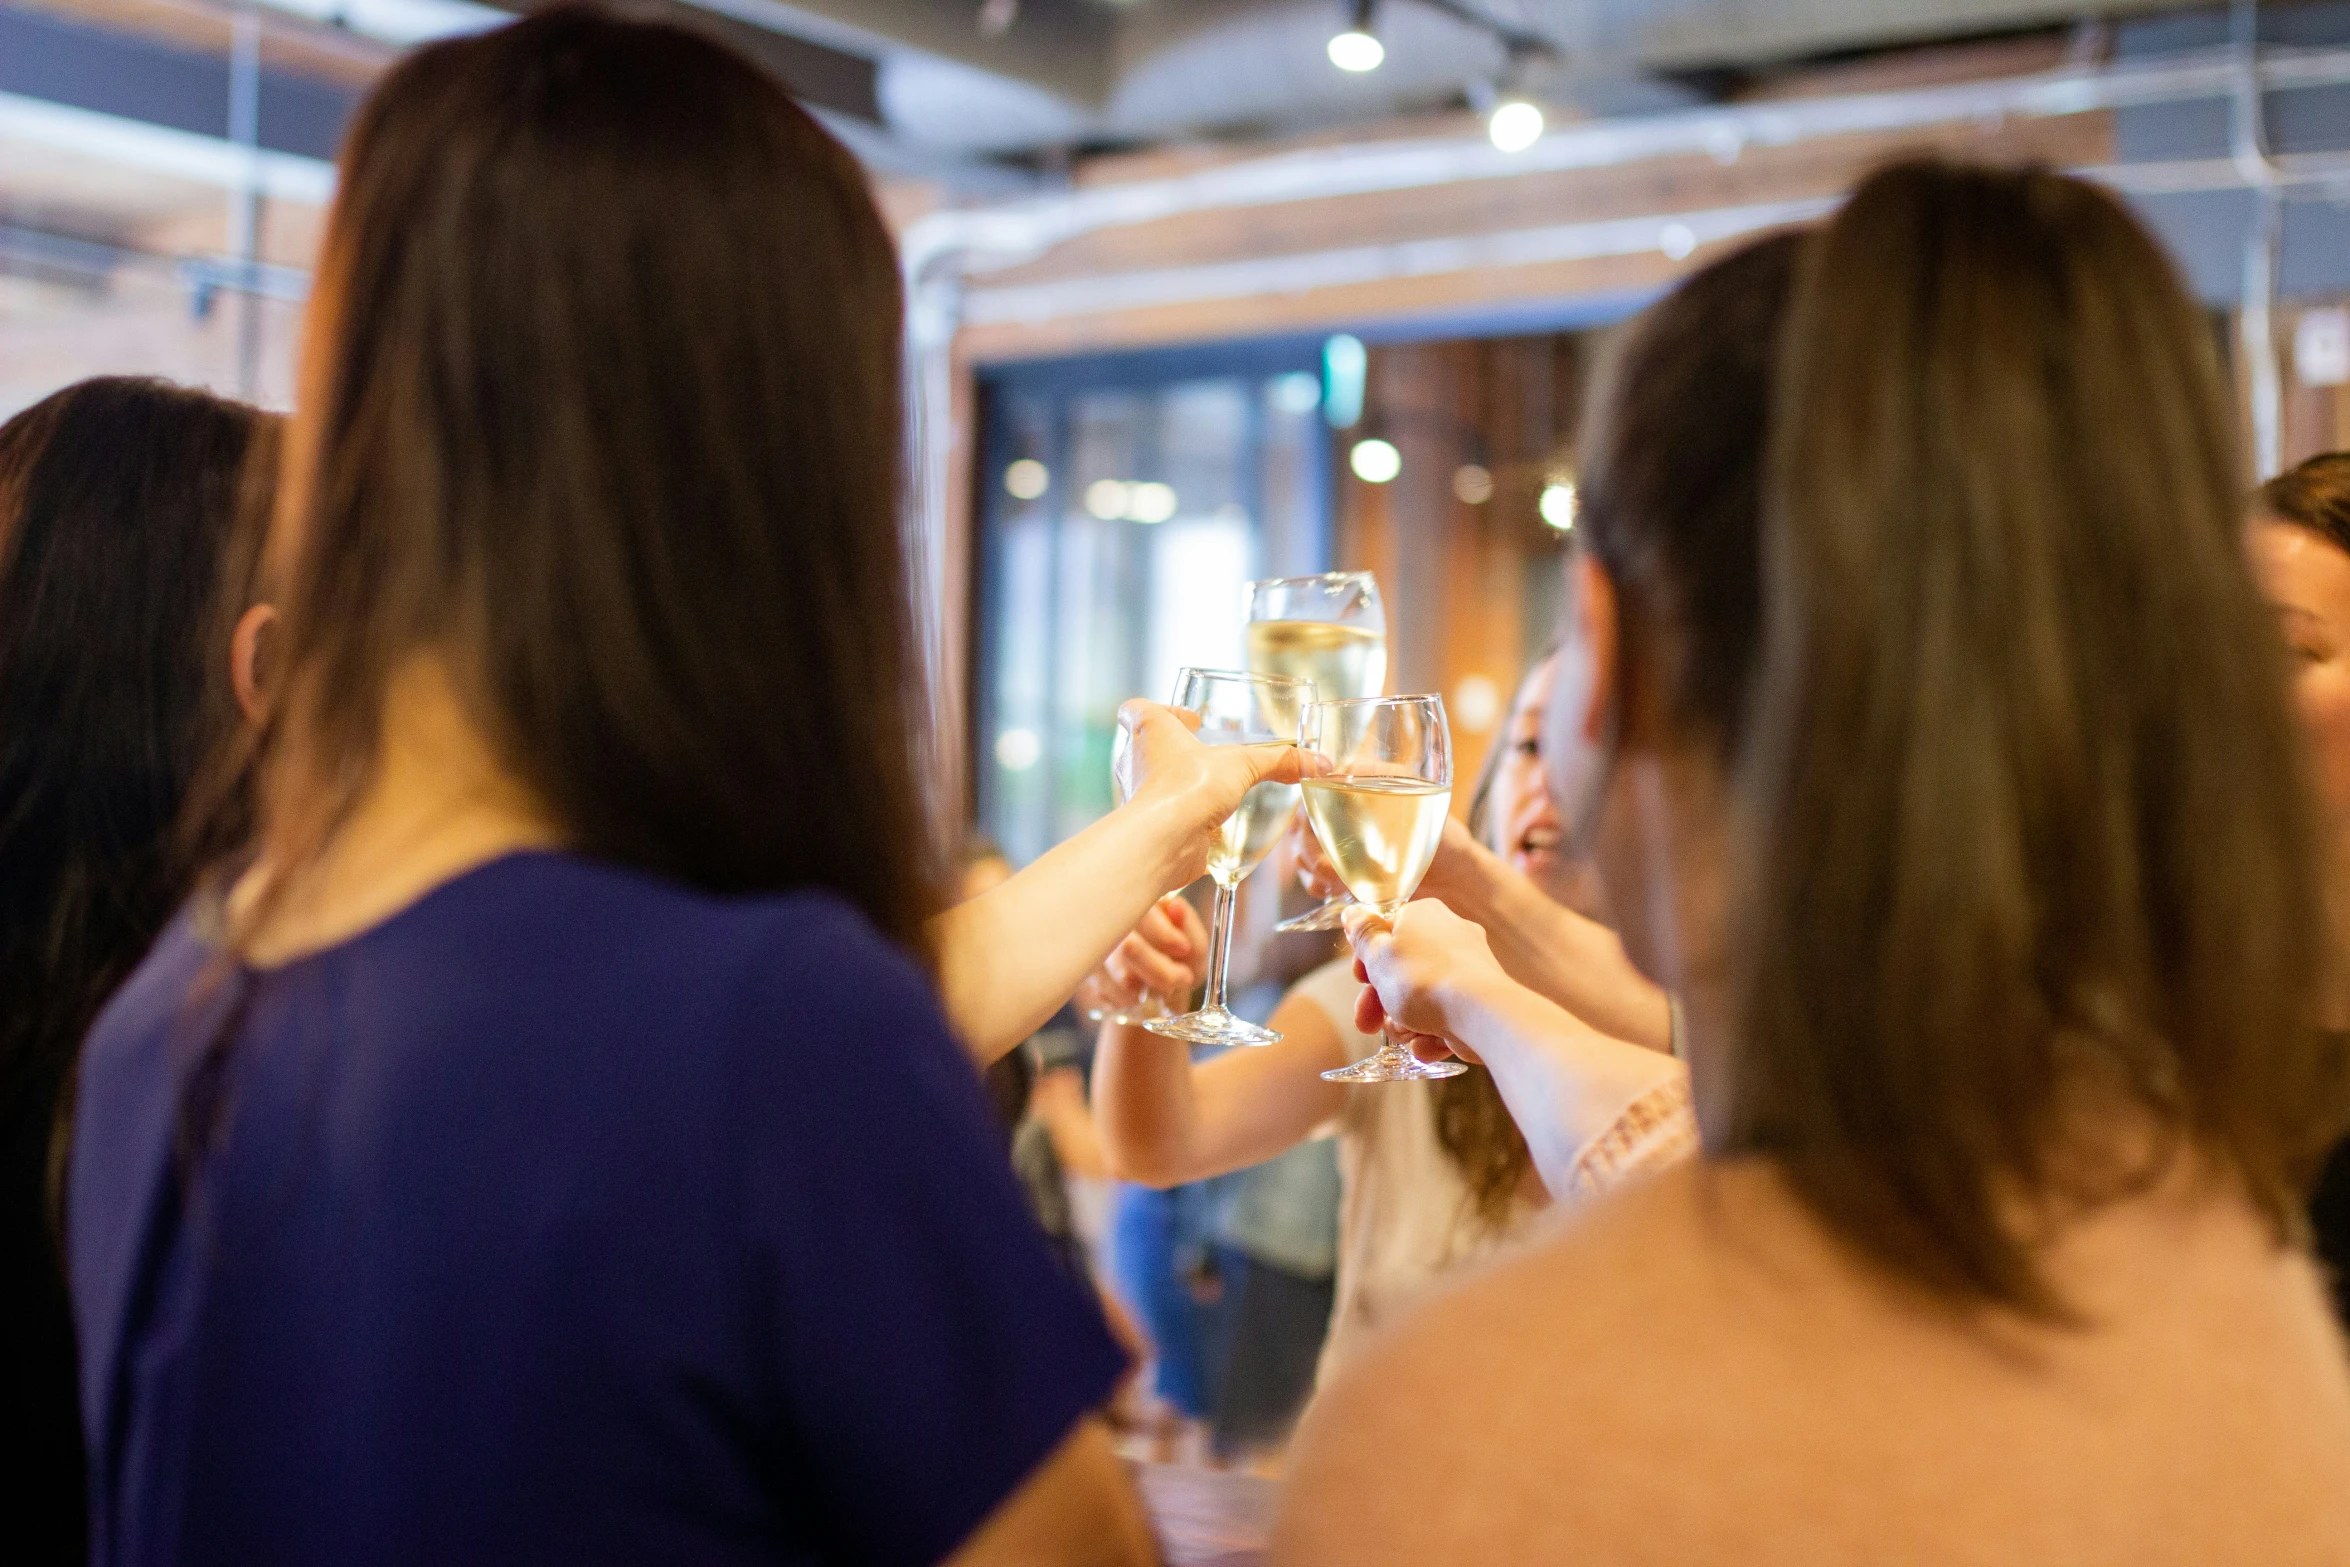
column 1027, row 479
column 1357, row 49
column 1358, row 52
column 1375, row 461
column 1150, row 502
column 1108, row 498
column 1514, row 125
column 1558, row 504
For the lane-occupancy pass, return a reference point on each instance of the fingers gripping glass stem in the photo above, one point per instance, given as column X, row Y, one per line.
column 1237, row 709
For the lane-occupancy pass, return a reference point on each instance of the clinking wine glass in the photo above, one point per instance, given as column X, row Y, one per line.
column 1331, row 630
column 1378, row 812
column 1150, row 1004
column 1237, row 709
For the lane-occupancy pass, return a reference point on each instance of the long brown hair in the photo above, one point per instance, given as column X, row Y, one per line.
column 1473, row 1126
column 118, row 503
column 2314, row 496
column 600, row 405
column 2027, row 820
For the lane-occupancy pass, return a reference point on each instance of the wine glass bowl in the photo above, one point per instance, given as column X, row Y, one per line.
column 1331, row 630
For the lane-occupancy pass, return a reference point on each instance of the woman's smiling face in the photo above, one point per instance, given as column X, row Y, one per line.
column 1522, row 824
column 2307, row 578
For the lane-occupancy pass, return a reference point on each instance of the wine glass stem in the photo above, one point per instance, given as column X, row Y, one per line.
column 1219, row 945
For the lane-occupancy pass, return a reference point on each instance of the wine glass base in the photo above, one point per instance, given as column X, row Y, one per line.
column 1212, row 1026
column 1395, row 1067
column 1330, row 916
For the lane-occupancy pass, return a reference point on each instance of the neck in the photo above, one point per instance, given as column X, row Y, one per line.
column 1677, row 797
column 438, row 803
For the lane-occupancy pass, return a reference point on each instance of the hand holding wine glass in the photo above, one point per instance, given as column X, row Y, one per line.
column 1418, row 971
column 1233, row 713
column 1378, row 808
column 1164, row 768
column 1164, row 956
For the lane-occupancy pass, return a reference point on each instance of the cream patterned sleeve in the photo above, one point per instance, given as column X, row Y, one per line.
column 1655, row 1131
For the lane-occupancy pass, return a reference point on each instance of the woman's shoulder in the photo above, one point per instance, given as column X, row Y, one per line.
column 1566, row 1368
column 553, row 917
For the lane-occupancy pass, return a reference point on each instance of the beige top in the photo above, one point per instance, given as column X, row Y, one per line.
column 1406, row 1219
column 1694, row 1370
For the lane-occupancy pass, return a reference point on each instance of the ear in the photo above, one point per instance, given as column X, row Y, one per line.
column 248, row 653
column 1599, row 628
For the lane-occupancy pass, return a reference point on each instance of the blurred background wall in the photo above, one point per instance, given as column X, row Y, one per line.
column 1193, row 303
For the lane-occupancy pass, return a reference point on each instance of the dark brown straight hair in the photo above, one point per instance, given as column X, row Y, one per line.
column 600, row 406
column 2314, row 496
column 118, row 499
column 1473, row 1125
column 2029, row 864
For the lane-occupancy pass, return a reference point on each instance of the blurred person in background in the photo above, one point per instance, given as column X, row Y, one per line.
column 2299, row 542
column 1995, row 919
column 120, row 506
column 554, row 1146
column 1434, row 1175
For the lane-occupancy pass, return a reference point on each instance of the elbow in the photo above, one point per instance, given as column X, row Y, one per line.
column 1143, row 1161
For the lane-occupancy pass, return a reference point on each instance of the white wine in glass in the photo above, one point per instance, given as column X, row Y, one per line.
column 1331, row 630
column 1378, row 811
column 1237, row 709
column 1248, row 834
column 1341, row 660
column 1380, row 833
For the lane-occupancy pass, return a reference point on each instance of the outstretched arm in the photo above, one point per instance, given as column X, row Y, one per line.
column 1564, row 956
column 1164, row 1121
column 1588, row 1104
column 1010, row 957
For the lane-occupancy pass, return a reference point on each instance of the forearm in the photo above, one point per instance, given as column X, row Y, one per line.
column 1164, row 1120
column 1010, row 957
column 1565, row 1083
column 1143, row 1106
column 1575, row 962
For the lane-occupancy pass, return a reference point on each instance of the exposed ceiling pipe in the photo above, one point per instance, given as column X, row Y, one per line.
column 2248, row 148
column 1674, row 234
column 159, row 149
column 1006, row 233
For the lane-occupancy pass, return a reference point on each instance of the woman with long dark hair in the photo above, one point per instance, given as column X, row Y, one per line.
column 553, row 1147
column 119, row 500
column 1942, row 766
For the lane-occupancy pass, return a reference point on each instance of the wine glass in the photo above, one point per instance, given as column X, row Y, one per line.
column 1237, row 709
column 1330, row 630
column 1378, row 813
column 1150, row 1004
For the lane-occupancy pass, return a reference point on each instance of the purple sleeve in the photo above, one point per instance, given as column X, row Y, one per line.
column 930, row 1350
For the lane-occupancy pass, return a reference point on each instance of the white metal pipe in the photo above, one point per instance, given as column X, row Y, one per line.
column 1008, row 232
column 2317, row 174
column 244, row 129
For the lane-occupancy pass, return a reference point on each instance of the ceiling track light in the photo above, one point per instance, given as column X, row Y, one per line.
column 1357, row 49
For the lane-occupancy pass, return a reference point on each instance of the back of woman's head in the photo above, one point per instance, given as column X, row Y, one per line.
column 118, row 499
column 2028, row 836
column 600, row 409
column 1672, row 461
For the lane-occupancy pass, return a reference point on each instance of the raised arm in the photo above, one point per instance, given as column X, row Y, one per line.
column 1550, row 949
column 1591, row 1106
column 1010, row 957
column 1164, row 1120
